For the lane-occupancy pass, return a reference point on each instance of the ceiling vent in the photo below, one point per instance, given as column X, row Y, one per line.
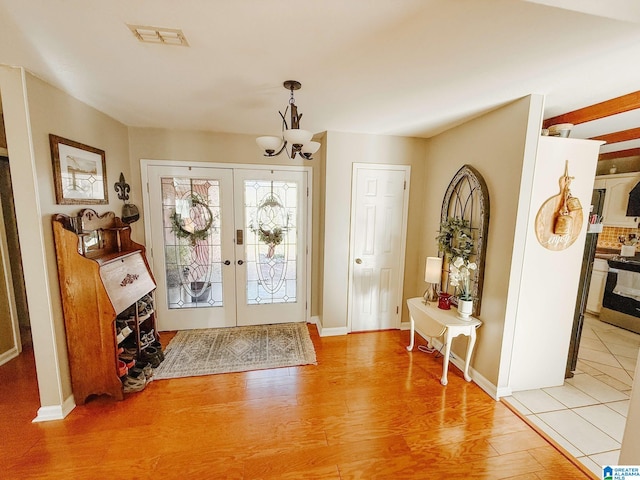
column 167, row 36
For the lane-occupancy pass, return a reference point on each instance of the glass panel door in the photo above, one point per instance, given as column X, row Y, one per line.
column 192, row 208
column 191, row 224
column 271, row 281
column 229, row 245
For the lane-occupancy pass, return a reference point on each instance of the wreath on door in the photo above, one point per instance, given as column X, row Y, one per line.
column 179, row 227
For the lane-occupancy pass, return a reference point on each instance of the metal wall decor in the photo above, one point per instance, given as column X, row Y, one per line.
column 130, row 212
column 467, row 199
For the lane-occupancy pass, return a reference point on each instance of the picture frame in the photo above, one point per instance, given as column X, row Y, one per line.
column 79, row 172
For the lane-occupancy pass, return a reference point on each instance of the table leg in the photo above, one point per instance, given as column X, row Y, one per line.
column 470, row 344
column 412, row 334
column 447, row 353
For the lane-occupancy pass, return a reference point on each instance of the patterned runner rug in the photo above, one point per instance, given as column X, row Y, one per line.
column 236, row 349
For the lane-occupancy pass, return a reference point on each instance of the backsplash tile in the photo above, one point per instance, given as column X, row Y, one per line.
column 609, row 236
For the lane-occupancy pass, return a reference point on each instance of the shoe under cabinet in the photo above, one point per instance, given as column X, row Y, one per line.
column 107, row 291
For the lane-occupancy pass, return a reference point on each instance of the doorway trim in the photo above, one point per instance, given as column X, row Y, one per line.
column 7, row 285
column 403, row 240
column 146, row 163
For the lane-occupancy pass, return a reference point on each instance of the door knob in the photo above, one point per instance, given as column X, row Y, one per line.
column 227, row 262
column 240, row 262
column 358, row 261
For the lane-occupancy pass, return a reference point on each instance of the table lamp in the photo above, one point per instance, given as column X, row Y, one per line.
column 432, row 274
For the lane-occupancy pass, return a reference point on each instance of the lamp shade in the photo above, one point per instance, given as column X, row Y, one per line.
column 310, row 147
column 295, row 136
column 269, row 143
column 433, row 270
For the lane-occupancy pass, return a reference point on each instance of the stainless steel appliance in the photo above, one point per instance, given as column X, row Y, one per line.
column 597, row 203
column 620, row 306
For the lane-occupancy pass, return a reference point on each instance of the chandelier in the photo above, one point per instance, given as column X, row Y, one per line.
column 298, row 141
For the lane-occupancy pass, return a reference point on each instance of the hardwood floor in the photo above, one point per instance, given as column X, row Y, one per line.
column 369, row 409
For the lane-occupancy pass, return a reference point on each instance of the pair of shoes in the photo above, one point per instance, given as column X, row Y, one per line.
column 143, row 368
column 128, row 359
column 123, row 333
column 131, row 384
column 158, row 346
column 152, row 356
column 147, row 339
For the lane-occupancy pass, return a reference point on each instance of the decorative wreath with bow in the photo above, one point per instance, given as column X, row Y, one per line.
column 178, row 226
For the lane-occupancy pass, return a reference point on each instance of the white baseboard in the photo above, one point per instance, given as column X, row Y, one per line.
column 405, row 325
column 476, row 377
column 9, row 355
column 503, row 392
column 55, row 412
column 328, row 332
column 332, row 331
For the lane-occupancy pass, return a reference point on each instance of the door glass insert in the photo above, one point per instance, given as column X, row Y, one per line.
column 271, row 240
column 192, row 246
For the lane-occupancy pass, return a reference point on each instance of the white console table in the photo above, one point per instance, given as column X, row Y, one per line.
column 434, row 322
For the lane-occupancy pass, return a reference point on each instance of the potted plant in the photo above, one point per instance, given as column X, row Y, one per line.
column 460, row 272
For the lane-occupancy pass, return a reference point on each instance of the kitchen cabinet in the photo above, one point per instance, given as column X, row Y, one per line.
column 616, row 198
column 596, row 287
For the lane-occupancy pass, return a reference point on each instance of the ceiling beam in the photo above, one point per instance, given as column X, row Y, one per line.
column 622, row 104
column 622, row 136
column 632, row 152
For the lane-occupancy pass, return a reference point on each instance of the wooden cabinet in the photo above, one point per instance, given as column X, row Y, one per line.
column 102, row 274
column 596, row 287
column 616, row 198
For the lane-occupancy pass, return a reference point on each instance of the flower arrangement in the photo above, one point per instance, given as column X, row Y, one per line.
column 460, row 277
column 454, row 238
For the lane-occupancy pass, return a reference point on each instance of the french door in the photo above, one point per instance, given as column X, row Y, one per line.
column 228, row 245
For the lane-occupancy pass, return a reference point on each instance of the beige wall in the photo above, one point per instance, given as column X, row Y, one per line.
column 342, row 151
column 33, row 110
column 494, row 145
column 195, row 147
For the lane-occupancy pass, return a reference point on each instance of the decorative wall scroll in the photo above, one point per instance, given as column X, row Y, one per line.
column 559, row 220
column 467, row 198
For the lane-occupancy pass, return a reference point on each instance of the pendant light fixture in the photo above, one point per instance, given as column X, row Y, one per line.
column 298, row 141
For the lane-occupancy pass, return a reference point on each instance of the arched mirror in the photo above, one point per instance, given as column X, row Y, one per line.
column 466, row 206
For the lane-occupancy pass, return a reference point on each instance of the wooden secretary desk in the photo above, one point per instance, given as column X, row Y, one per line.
column 102, row 273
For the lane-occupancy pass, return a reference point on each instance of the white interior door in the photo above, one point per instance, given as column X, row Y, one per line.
column 378, row 233
column 271, row 246
column 192, row 224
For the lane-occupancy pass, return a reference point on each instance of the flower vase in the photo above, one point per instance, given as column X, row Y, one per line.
column 465, row 309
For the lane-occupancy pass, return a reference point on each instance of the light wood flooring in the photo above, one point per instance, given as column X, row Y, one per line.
column 368, row 410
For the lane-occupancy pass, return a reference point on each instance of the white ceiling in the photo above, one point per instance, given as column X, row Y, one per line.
column 404, row 67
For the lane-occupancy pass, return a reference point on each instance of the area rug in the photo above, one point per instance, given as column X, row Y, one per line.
column 236, row 349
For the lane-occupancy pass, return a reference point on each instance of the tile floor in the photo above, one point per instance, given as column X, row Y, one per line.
column 587, row 415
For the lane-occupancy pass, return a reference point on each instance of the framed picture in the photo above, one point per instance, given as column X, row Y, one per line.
column 79, row 173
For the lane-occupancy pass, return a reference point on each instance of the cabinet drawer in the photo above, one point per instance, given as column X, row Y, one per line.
column 126, row 280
